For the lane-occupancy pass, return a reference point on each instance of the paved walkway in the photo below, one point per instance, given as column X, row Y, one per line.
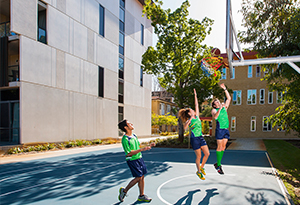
column 247, row 144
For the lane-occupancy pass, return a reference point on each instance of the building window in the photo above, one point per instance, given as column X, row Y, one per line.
column 223, row 77
column 101, row 82
column 121, row 43
column 141, row 76
column 120, row 117
column 262, row 96
column 251, row 97
column 168, row 109
column 142, row 34
column 250, row 71
column 270, row 97
column 233, row 124
column 237, row 97
column 121, row 91
column 101, row 20
column 258, row 70
column 253, row 124
column 233, row 73
column 162, row 108
column 121, row 67
column 267, row 126
column 279, row 96
column 42, row 22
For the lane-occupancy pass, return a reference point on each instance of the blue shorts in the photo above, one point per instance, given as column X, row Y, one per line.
column 137, row 167
column 222, row 133
column 197, row 142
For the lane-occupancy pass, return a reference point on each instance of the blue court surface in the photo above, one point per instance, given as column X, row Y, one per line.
column 95, row 178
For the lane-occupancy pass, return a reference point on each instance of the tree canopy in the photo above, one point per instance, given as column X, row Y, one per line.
column 175, row 60
column 273, row 29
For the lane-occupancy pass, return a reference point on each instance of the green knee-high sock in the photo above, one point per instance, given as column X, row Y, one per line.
column 219, row 157
column 222, row 152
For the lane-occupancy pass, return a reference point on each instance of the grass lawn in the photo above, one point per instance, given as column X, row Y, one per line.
column 286, row 159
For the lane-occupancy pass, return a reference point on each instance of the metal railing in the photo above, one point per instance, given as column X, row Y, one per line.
column 5, row 29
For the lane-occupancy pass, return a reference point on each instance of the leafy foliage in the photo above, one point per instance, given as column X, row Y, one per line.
column 273, row 30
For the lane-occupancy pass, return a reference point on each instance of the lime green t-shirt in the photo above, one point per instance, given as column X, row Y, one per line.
column 129, row 144
column 196, row 126
column 223, row 118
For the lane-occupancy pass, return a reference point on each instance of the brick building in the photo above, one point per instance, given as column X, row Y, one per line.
column 251, row 103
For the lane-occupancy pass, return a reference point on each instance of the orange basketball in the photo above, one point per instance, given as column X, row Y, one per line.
column 215, row 52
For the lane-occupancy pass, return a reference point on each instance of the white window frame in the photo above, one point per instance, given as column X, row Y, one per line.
column 251, row 103
column 233, row 125
column 169, row 109
column 162, row 108
column 262, row 97
column 266, row 125
column 270, row 93
column 250, row 71
column 253, row 120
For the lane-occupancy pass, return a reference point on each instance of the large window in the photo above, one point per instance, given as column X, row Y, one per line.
column 101, row 82
column 162, row 108
column 101, row 20
column 253, row 124
column 250, row 71
column 270, row 97
column 251, row 97
column 121, row 26
column 42, row 22
column 262, row 96
column 267, row 126
column 233, row 124
column 237, row 97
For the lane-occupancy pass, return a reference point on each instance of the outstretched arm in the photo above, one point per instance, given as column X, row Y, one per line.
column 196, row 103
column 228, row 97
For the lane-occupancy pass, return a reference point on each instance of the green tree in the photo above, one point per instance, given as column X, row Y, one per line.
column 159, row 120
column 273, row 30
column 175, row 59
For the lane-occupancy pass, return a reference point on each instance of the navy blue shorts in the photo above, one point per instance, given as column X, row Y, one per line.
column 222, row 133
column 137, row 167
column 197, row 142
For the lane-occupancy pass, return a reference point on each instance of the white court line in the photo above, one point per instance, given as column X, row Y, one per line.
column 280, row 183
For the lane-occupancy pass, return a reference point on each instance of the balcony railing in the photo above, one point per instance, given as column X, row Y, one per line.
column 5, row 29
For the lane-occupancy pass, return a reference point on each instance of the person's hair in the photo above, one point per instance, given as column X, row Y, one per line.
column 122, row 125
column 213, row 103
column 184, row 114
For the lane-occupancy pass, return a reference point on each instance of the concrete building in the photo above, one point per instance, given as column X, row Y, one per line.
column 251, row 103
column 71, row 69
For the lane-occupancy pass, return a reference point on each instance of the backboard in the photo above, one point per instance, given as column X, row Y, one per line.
column 232, row 40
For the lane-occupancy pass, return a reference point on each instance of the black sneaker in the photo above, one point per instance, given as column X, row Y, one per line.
column 219, row 168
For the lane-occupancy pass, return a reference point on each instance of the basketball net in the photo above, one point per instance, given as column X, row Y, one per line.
column 210, row 65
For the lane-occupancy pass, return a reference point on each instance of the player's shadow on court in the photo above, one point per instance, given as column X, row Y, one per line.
column 67, row 177
column 188, row 198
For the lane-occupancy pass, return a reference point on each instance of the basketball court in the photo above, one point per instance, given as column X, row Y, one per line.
column 95, row 177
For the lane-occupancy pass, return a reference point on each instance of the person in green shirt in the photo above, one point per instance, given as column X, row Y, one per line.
column 190, row 118
column 219, row 113
column 135, row 162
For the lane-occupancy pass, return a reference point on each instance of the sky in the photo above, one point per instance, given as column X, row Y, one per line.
column 215, row 10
